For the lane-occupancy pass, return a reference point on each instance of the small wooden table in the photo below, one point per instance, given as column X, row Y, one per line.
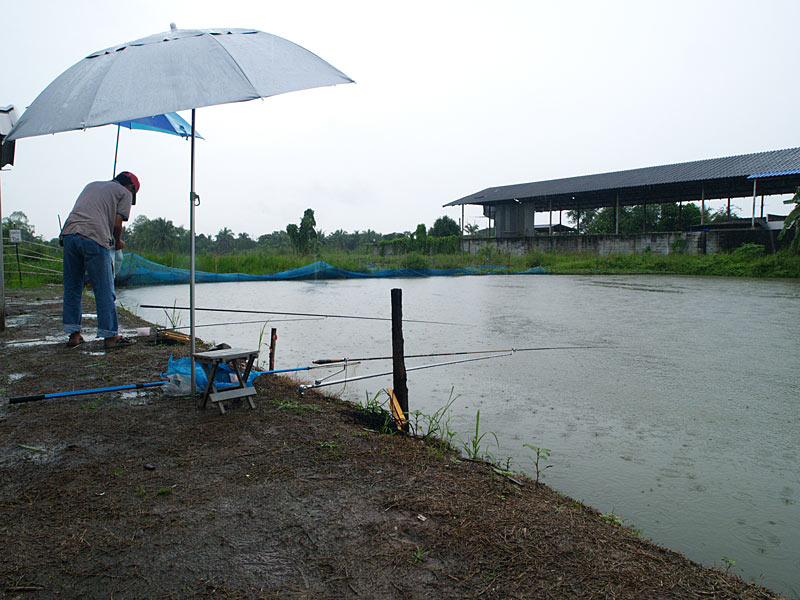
column 210, row 362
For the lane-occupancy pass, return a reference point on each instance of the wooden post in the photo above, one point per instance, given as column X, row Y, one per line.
column 753, row 218
column 19, row 267
column 616, row 218
column 273, row 340
column 398, row 351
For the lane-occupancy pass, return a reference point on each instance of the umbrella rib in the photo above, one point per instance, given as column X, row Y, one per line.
column 235, row 62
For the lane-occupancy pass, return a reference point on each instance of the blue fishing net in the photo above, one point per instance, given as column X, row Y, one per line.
column 138, row 271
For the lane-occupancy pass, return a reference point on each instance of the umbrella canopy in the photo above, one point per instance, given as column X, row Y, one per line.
column 171, row 123
column 168, row 72
column 178, row 70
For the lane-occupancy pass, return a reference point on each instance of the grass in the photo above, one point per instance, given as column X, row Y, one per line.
column 747, row 261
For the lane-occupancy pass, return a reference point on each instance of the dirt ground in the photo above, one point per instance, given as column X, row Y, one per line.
column 142, row 495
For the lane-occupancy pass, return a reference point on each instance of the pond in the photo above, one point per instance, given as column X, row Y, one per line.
column 679, row 414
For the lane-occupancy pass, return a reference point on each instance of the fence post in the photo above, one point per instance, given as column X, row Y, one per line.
column 273, row 341
column 19, row 267
column 398, row 352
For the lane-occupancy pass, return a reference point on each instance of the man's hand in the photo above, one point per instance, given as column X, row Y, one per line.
column 119, row 245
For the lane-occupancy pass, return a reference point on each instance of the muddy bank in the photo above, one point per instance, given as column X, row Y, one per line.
column 136, row 495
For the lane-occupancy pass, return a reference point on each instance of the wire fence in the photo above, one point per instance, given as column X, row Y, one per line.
column 31, row 263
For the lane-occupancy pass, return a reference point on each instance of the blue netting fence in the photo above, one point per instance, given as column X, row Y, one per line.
column 138, row 271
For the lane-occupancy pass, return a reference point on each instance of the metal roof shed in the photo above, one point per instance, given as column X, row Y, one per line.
column 765, row 173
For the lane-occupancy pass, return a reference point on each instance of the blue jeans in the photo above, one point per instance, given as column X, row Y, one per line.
column 82, row 257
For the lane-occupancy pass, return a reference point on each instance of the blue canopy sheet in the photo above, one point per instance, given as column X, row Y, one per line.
column 137, row 271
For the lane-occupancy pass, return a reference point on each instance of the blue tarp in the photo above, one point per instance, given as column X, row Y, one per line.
column 140, row 271
column 222, row 378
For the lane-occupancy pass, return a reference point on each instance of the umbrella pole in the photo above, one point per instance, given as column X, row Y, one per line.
column 192, row 199
column 116, row 149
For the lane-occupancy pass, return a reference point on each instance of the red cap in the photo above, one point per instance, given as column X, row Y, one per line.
column 134, row 180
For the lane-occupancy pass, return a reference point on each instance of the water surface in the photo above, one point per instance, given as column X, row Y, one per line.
column 683, row 419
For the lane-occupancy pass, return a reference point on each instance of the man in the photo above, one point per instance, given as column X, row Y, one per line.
column 90, row 235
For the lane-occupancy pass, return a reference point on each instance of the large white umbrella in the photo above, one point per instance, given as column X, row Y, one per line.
column 177, row 70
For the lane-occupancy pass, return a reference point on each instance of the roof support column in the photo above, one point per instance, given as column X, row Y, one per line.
column 680, row 215
column 644, row 217
column 533, row 217
column 753, row 220
column 729, row 207
column 762, row 206
column 550, row 208
column 702, row 205
column 616, row 218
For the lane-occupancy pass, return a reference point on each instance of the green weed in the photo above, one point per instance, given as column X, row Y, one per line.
column 375, row 415
column 420, row 554
column 540, row 456
column 472, row 447
column 612, row 519
column 728, row 564
column 435, row 428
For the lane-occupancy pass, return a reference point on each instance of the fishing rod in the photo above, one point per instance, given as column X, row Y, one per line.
column 320, row 383
column 116, row 388
column 234, row 323
column 132, row 386
column 273, row 312
column 328, row 361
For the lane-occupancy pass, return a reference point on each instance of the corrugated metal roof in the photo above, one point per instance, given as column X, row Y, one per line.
column 716, row 177
column 773, row 174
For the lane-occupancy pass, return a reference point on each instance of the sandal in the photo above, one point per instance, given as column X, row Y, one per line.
column 120, row 340
column 78, row 342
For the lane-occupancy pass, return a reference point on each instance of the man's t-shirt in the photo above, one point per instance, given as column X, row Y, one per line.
column 96, row 210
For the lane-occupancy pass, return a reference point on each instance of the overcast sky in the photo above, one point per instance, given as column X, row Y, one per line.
column 451, row 97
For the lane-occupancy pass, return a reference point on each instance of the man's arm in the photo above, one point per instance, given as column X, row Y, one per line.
column 118, row 243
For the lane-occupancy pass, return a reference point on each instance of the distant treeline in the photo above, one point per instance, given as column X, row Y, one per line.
column 162, row 236
column 650, row 218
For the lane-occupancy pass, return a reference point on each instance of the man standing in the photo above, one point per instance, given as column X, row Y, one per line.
column 90, row 235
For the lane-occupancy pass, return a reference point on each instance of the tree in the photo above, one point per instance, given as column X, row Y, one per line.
column 158, row 235
column 793, row 218
column 277, row 240
column 443, row 227
column 302, row 237
column 472, row 228
column 225, row 241
column 19, row 220
column 660, row 217
column 244, row 243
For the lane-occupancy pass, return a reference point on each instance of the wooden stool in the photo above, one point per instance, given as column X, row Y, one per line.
column 211, row 360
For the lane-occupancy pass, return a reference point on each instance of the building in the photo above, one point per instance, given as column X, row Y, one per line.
column 512, row 207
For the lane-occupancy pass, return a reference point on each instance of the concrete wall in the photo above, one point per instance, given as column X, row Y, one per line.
column 691, row 242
